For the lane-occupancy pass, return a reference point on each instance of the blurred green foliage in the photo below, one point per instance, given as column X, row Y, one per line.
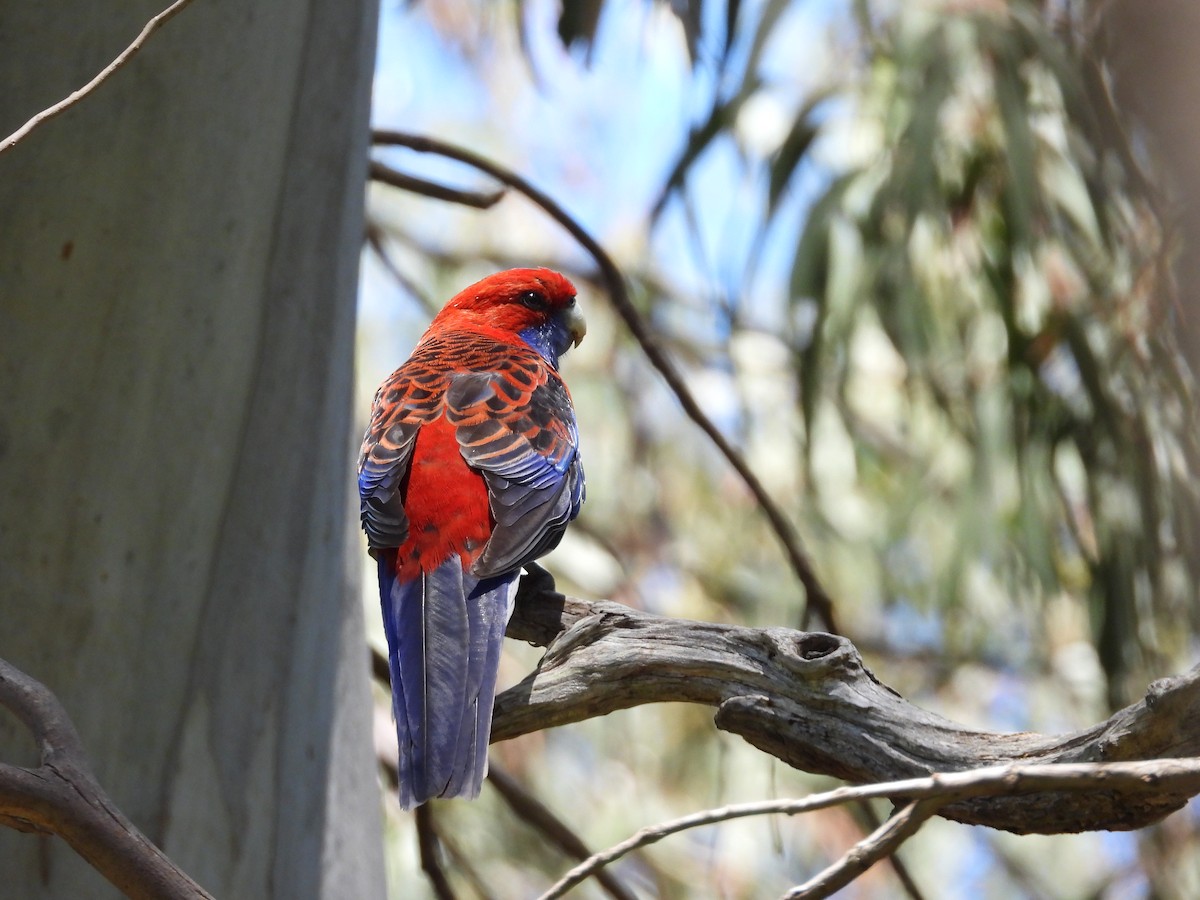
column 982, row 310
column 1040, row 437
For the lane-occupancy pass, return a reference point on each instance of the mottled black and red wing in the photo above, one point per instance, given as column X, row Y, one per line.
column 408, row 399
column 515, row 424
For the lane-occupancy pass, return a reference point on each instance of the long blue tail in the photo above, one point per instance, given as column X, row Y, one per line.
column 444, row 631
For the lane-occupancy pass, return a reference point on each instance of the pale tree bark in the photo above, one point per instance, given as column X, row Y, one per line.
column 1150, row 49
column 807, row 699
column 177, row 279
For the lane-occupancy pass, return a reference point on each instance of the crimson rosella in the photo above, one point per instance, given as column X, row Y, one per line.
column 469, row 470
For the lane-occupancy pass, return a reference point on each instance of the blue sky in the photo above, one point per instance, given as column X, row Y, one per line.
column 601, row 136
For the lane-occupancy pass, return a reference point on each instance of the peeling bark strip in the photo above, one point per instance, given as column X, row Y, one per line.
column 807, row 699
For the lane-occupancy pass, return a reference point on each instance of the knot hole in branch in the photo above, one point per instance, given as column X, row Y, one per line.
column 814, row 645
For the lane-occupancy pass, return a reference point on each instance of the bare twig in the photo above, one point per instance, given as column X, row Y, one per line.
column 384, row 173
column 1178, row 775
column 883, row 842
column 867, row 812
column 61, row 796
column 818, row 601
column 67, row 102
column 654, row 833
column 535, row 813
column 375, row 237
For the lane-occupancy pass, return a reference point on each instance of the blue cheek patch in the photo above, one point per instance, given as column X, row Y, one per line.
column 550, row 340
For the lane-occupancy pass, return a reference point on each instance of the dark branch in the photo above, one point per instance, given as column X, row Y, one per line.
column 818, row 601
column 62, row 797
column 475, row 199
column 807, row 699
column 535, row 814
column 427, row 845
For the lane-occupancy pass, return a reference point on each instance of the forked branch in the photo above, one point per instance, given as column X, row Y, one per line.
column 61, row 796
column 924, row 798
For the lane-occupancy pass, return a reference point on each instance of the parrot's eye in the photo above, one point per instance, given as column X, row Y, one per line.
column 533, row 300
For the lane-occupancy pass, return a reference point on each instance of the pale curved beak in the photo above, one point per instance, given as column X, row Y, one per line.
column 575, row 322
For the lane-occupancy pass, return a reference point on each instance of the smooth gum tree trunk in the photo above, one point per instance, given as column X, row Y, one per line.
column 178, row 264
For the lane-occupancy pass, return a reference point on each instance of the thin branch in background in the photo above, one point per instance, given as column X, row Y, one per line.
column 818, row 602
column 382, row 673
column 67, row 102
column 883, row 842
column 430, row 842
column 867, row 812
column 385, row 174
column 1026, row 878
column 462, row 866
column 375, row 240
column 62, row 797
column 375, row 237
column 537, row 815
column 427, row 843
column 523, row 804
column 929, row 794
column 654, row 833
